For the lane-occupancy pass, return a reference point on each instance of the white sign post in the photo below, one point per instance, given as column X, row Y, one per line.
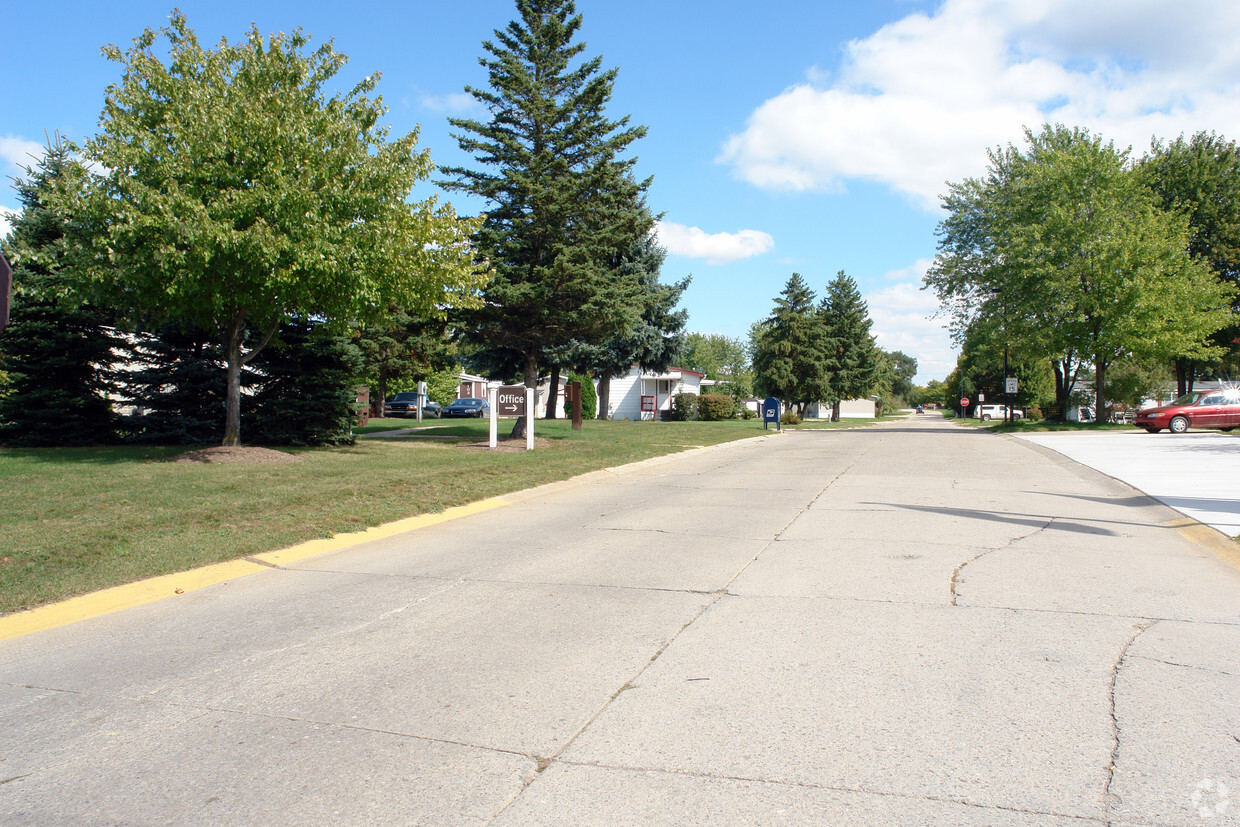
column 529, row 419
column 421, row 400
column 492, row 388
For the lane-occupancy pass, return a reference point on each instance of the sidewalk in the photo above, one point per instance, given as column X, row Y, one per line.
column 1197, row 474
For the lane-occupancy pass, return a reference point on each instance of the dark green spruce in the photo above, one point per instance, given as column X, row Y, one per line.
column 558, row 191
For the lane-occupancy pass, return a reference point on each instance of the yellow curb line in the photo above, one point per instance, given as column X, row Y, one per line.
column 130, row 595
column 1219, row 544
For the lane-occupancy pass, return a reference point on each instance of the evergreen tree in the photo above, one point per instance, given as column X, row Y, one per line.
column 789, row 357
column 308, row 392
column 851, row 358
column 561, row 198
column 56, row 350
column 176, row 382
column 403, row 347
column 657, row 337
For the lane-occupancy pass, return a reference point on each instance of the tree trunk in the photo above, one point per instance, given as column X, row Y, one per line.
column 1181, row 377
column 553, row 393
column 1100, row 392
column 236, row 361
column 835, row 411
column 232, row 398
column 531, row 381
column 604, row 395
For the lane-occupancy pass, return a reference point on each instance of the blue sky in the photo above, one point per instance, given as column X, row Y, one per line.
column 804, row 137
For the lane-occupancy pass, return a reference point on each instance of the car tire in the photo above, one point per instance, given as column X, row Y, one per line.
column 1228, row 430
column 985, row 417
column 1178, row 424
column 1152, row 430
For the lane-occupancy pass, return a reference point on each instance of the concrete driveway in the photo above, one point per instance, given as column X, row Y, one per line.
column 1197, row 473
column 908, row 624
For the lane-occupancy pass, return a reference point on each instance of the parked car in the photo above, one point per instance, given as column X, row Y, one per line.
column 406, row 404
column 468, row 406
column 1199, row 409
column 988, row 412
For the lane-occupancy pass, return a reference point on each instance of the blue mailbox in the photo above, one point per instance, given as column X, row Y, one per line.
column 770, row 412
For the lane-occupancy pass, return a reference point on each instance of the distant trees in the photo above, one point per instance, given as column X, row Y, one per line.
column 806, row 352
column 789, row 358
column 565, row 214
column 851, row 363
column 235, row 195
column 1064, row 249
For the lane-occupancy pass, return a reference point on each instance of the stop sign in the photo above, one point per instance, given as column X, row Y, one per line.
column 964, row 403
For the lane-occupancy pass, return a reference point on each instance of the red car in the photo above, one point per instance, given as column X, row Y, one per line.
column 1199, row 409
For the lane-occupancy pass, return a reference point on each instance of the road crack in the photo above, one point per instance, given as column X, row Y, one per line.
column 1107, row 797
column 955, row 580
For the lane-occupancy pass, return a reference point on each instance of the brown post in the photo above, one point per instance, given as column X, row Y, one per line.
column 574, row 391
column 363, row 405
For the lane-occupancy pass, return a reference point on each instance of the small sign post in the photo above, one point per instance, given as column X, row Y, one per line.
column 492, row 392
column 770, row 413
column 529, row 419
column 573, row 394
column 421, row 400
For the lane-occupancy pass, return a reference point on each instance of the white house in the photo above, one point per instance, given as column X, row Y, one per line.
column 849, row 409
column 639, row 395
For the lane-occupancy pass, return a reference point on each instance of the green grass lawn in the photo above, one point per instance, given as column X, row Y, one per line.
column 77, row 520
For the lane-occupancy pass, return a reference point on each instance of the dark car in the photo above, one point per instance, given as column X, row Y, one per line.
column 1199, row 409
column 406, row 404
column 469, row 406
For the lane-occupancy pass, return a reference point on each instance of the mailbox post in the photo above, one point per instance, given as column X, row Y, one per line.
column 770, row 413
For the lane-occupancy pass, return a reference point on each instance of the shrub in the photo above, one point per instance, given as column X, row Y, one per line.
column 589, row 397
column 790, row 418
column 748, row 413
column 684, row 407
column 714, row 407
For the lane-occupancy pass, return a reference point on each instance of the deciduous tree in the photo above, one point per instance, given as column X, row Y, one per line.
column 236, row 193
column 1064, row 244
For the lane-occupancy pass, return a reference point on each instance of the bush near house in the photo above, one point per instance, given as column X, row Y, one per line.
column 714, row 407
column 684, row 407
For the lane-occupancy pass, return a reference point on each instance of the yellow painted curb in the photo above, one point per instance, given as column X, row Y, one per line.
column 117, row 598
column 313, row 548
column 1222, row 546
column 130, row 595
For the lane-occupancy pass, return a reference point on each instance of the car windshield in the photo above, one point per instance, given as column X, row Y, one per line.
column 405, row 397
column 1189, row 398
column 468, row 403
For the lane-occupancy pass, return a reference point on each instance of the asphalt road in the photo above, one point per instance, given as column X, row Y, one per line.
column 908, row 624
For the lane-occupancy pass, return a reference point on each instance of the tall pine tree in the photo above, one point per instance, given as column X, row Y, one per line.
column 852, row 360
column 789, row 358
column 559, row 195
column 57, row 350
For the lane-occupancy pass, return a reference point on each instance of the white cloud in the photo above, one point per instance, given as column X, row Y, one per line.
column 18, row 152
column 902, row 321
column 920, row 101
column 716, row 248
column 453, row 104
